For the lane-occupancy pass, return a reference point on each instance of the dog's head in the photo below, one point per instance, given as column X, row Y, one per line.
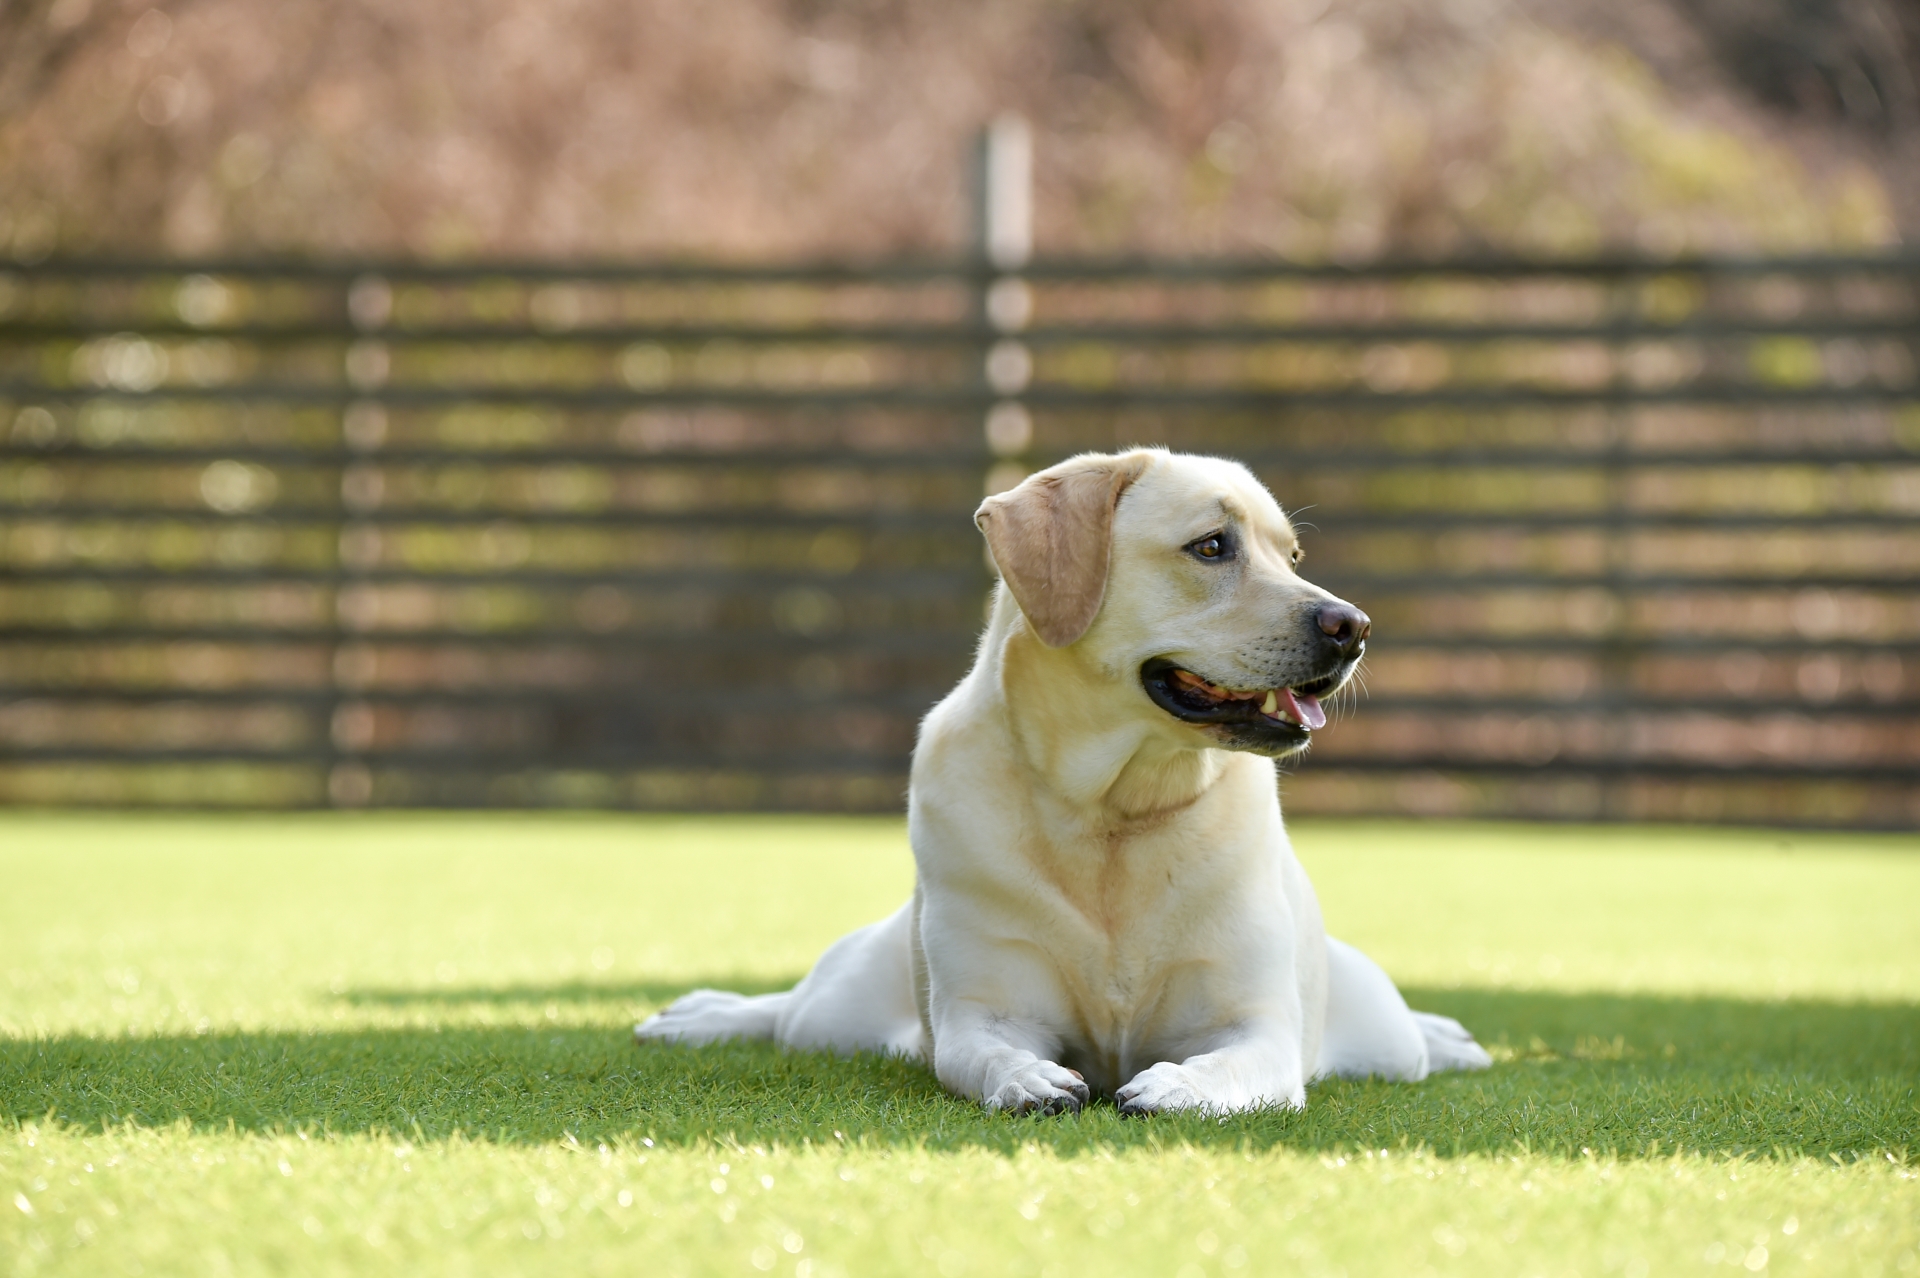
column 1179, row 576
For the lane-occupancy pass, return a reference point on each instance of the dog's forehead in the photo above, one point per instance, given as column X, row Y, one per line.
column 1181, row 490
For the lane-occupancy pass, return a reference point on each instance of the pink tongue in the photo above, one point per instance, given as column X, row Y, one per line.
column 1306, row 709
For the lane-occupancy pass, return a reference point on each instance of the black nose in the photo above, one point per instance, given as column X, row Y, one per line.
column 1346, row 625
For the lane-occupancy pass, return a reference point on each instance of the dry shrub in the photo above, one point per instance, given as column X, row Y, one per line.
column 759, row 128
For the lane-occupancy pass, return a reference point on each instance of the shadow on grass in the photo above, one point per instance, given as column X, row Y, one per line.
column 1606, row 1072
column 654, row 993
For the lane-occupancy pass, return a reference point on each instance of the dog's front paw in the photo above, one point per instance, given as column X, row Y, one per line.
column 1166, row 1086
column 1449, row 1045
column 1170, row 1086
column 1041, row 1087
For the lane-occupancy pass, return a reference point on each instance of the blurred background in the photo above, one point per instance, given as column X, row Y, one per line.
column 583, row 404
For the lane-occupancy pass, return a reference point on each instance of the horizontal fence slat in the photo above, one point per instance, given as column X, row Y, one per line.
column 1116, row 268
column 1343, row 459
column 941, row 580
column 956, row 522
column 614, row 693
column 926, row 580
column 775, row 762
column 972, row 335
column 771, row 757
column 958, row 396
column 1314, row 521
column 916, row 641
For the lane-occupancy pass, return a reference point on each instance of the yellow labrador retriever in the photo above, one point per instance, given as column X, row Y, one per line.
column 1106, row 900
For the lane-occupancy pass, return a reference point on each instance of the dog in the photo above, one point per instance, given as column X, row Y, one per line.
column 1106, row 900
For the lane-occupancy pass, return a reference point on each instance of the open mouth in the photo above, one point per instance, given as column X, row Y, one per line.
column 1280, row 714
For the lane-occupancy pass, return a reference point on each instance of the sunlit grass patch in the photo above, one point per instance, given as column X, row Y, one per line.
column 177, row 1200
column 393, row 1044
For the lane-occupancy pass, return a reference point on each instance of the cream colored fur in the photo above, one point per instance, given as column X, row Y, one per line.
column 1107, row 901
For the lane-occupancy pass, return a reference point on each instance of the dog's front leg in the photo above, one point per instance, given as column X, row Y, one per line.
column 1002, row 1060
column 1254, row 1065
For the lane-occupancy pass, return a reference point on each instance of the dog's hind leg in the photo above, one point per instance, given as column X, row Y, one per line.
column 1371, row 1031
column 711, row 1016
column 858, row 998
column 1450, row 1045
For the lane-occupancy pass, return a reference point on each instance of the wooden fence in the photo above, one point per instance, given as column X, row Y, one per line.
column 1641, row 539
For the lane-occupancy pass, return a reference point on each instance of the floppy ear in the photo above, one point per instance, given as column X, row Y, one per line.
column 1051, row 538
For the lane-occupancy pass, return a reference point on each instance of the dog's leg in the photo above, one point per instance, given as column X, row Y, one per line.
column 1450, row 1045
column 713, row 1016
column 993, row 1009
column 858, row 997
column 1372, row 1033
column 1252, row 1052
column 1258, row 1067
column 1002, row 1061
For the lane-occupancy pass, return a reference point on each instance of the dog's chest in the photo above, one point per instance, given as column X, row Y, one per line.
column 1126, row 949
column 1104, row 885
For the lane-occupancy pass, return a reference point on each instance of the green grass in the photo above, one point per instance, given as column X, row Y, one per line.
column 399, row 1044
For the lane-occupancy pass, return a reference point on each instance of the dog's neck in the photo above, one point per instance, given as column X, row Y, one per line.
column 1094, row 751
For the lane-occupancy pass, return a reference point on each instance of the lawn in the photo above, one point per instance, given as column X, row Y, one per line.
column 398, row 1044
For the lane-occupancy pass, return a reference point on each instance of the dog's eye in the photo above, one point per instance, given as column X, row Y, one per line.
column 1212, row 546
column 1297, row 556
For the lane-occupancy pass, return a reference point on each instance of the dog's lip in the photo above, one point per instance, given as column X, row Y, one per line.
column 1160, row 677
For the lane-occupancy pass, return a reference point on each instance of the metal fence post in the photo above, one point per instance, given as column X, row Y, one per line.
column 363, row 430
column 1005, row 243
